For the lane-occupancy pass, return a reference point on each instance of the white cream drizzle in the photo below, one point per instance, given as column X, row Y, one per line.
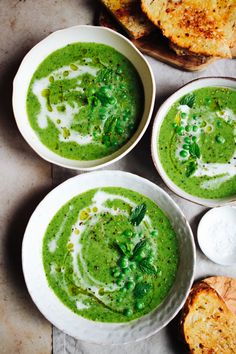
column 98, row 202
column 53, row 243
column 67, row 116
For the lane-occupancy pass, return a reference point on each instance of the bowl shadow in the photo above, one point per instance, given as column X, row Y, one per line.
column 12, row 246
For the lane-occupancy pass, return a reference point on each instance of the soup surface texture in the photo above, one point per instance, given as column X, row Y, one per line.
column 197, row 143
column 110, row 255
column 85, row 101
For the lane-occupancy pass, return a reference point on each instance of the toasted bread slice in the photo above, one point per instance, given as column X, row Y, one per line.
column 205, row 28
column 208, row 325
column 128, row 13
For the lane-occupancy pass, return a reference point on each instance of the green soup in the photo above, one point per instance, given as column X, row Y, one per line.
column 85, row 101
column 197, row 143
column 110, row 255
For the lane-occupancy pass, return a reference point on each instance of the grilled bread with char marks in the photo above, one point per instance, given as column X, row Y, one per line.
column 202, row 27
column 208, row 326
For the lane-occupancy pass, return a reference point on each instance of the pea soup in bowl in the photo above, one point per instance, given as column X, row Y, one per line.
column 83, row 97
column 194, row 141
column 108, row 257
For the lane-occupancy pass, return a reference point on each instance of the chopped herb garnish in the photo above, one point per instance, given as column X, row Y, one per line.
column 194, row 150
column 138, row 214
column 123, row 248
column 147, row 267
column 139, row 247
column 188, row 100
column 191, row 168
column 141, row 289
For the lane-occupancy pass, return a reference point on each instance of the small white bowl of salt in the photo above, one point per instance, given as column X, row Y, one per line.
column 217, row 235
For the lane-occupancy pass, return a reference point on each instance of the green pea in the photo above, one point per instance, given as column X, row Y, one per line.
column 119, row 71
column 154, row 233
column 194, row 138
column 186, row 147
column 61, row 108
column 194, row 116
column 112, row 100
column 219, row 124
column 203, row 124
column 130, row 285
column 124, row 262
column 105, row 91
column 139, row 278
column 116, row 274
column 103, row 116
column 183, row 115
column 175, row 125
column 180, row 130
column 123, row 290
column 183, row 153
column 126, row 271
column 139, row 257
column 188, row 128
column 128, row 312
column 128, row 233
column 187, row 140
column 122, row 86
column 65, row 132
column 51, row 79
column 152, row 253
column 139, row 305
column 58, row 121
column 220, row 139
column 120, row 282
column 195, row 128
column 91, row 91
column 208, row 100
column 73, row 67
column 150, row 259
column 119, row 130
column 114, row 143
column 66, row 73
column 101, row 292
column 106, row 140
column 121, row 276
column 45, row 92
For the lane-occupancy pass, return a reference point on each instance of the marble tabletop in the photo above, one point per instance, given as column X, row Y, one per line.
column 25, row 178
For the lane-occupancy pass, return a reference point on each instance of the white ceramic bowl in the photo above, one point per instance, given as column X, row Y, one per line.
column 61, row 316
column 217, row 235
column 58, row 40
column 161, row 114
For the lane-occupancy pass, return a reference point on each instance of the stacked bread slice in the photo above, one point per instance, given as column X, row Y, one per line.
column 208, row 325
column 129, row 14
column 202, row 27
column 193, row 27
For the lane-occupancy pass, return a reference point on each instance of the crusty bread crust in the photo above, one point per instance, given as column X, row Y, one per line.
column 128, row 13
column 208, row 326
column 202, row 27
